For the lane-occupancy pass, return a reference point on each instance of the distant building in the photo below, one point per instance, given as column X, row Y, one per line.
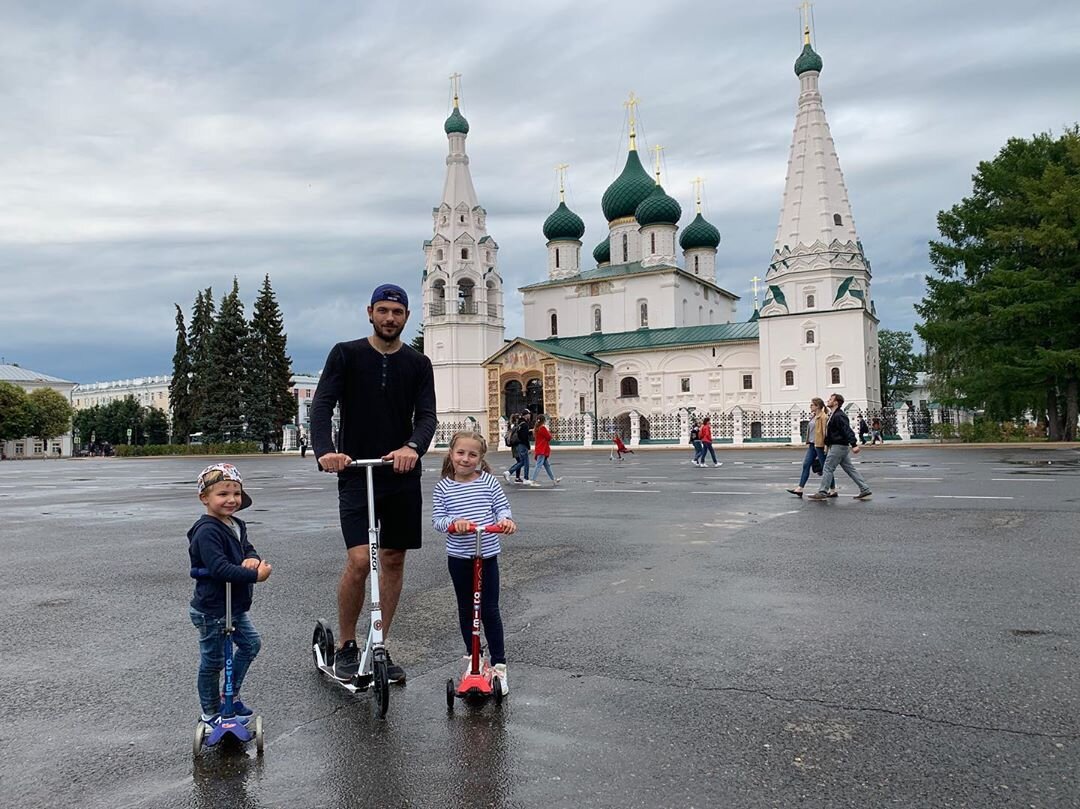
column 30, row 381
column 148, row 391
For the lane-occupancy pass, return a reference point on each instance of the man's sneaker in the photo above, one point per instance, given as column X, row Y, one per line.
column 834, row 493
column 817, row 496
column 508, row 476
column 241, row 711
column 864, row 495
column 394, row 672
column 347, row 661
column 501, row 677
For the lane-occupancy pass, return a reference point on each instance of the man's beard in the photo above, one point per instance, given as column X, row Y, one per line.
column 389, row 333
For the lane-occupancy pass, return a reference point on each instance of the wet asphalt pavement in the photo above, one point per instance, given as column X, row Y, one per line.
column 677, row 637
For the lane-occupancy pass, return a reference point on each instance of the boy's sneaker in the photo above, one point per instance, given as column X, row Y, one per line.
column 210, row 719
column 394, row 672
column 241, row 711
column 501, row 676
column 347, row 661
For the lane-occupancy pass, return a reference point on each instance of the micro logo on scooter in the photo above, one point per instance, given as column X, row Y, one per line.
column 378, row 626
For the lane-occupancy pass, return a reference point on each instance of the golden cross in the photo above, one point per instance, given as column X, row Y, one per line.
column 697, row 182
column 455, row 85
column 805, row 12
column 755, row 280
column 631, row 106
column 658, row 149
column 560, row 172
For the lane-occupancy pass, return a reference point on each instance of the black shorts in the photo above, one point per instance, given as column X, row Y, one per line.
column 398, row 515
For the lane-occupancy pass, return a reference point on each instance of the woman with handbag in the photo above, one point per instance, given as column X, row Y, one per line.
column 814, row 459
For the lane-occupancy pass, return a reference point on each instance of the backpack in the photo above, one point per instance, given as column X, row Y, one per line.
column 511, row 436
column 695, row 433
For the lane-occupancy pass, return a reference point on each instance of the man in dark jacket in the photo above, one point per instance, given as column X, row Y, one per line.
column 840, row 444
column 521, row 449
column 386, row 394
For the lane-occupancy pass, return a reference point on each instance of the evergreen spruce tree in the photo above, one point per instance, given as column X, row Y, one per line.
column 223, row 409
column 270, row 401
column 199, row 329
column 179, row 385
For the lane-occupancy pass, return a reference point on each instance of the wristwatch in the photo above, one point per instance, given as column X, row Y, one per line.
column 412, row 445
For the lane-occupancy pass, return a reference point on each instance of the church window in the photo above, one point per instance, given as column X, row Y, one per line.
column 809, row 337
column 748, row 382
column 625, row 249
column 684, row 384
column 596, row 319
column 462, row 219
column 643, row 316
column 439, row 254
column 712, row 317
column 534, row 396
column 628, row 387
column 696, row 264
column 789, row 378
column 581, row 404
column 834, row 375
column 600, row 385
column 466, row 297
column 556, row 258
column 554, row 325
column 464, row 252
column 809, row 301
column 837, row 220
column 652, row 243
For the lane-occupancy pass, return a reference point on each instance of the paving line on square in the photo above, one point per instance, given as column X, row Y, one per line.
column 971, row 497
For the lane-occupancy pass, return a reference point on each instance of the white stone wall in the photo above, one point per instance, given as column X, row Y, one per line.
column 568, row 261
column 701, row 261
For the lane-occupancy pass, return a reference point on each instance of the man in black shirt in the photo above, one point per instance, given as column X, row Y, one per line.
column 386, row 394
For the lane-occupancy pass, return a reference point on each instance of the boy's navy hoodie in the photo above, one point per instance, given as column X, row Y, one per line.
column 212, row 545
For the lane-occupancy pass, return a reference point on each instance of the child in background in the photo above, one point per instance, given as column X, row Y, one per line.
column 543, row 449
column 220, row 552
column 469, row 495
column 620, row 448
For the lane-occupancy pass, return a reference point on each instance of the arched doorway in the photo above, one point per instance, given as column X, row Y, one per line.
column 534, row 396
column 513, row 398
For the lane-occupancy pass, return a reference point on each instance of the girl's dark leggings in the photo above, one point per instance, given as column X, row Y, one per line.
column 461, row 573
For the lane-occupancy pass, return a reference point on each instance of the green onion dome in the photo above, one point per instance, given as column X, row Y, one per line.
column 808, row 60
column 699, row 233
column 456, row 123
column 563, row 224
column 602, row 252
column 628, row 191
column 658, row 208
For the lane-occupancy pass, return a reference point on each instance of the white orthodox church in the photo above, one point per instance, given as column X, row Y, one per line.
column 646, row 337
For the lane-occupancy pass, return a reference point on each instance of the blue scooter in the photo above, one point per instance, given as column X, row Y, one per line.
column 228, row 728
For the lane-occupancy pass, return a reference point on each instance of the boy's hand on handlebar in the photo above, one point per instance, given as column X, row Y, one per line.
column 463, row 527
column 263, row 571
column 507, row 525
column 404, row 459
column 251, row 563
column 334, row 461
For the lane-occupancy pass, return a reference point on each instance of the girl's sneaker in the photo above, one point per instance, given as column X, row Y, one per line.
column 501, row 675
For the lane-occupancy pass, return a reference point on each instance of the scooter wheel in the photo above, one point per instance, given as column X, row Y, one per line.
column 200, row 734
column 259, row 740
column 323, row 638
column 380, row 685
column 496, row 690
column 451, row 693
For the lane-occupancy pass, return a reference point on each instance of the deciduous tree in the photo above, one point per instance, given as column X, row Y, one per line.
column 14, row 412
column 898, row 366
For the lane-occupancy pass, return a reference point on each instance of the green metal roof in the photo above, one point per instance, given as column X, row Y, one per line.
column 845, row 289
column 658, row 208
column 699, row 233
column 562, row 351
column 777, row 294
column 456, row 123
column 602, row 251
column 620, row 270
column 642, row 339
column 563, row 224
column 808, row 60
column 628, row 191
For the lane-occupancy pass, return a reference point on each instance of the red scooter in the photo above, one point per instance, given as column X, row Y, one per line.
column 478, row 682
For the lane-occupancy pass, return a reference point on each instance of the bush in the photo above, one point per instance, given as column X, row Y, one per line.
column 234, row 448
column 943, row 431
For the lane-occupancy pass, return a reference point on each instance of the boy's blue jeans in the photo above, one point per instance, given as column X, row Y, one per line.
column 246, row 643
column 521, row 452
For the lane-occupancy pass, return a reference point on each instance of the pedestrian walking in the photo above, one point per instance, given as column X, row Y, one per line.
column 705, row 436
column 522, row 443
column 386, row 394
column 543, row 449
column 864, row 430
column 469, row 495
column 841, row 443
column 695, row 439
column 814, row 459
column 303, row 445
column 875, row 433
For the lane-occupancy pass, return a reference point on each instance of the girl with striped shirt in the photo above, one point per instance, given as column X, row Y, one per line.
column 468, row 494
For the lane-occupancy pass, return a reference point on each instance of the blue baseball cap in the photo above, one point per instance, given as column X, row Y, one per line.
column 390, row 292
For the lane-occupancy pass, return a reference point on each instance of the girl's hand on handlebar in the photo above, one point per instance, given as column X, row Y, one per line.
column 263, row 572
column 462, row 527
column 507, row 525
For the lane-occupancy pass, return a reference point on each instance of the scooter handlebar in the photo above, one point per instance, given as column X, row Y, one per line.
column 365, row 462
column 489, row 529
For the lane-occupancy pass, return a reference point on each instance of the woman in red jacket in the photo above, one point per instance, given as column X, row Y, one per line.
column 543, row 449
column 705, row 436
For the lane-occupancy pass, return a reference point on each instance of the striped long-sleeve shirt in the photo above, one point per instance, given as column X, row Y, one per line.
column 481, row 501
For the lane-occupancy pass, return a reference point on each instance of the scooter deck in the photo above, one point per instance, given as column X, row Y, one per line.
column 357, row 684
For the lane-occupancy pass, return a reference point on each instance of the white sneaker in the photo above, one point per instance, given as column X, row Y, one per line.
column 528, row 482
column 501, row 676
column 508, row 476
column 557, row 482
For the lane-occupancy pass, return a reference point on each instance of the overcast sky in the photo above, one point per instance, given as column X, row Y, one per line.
column 152, row 148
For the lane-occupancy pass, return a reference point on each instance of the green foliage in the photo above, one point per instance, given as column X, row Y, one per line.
column 223, row 416
column 49, row 414
column 1001, row 317
column 180, row 401
column 199, row 331
column 110, row 422
column 14, row 412
column 943, row 431
column 898, row 366
column 155, row 426
column 269, row 402
column 233, row 448
column 417, row 342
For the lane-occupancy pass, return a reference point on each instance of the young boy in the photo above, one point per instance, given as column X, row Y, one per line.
column 220, row 552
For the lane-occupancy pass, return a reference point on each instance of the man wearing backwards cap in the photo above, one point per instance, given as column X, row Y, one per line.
column 386, row 394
